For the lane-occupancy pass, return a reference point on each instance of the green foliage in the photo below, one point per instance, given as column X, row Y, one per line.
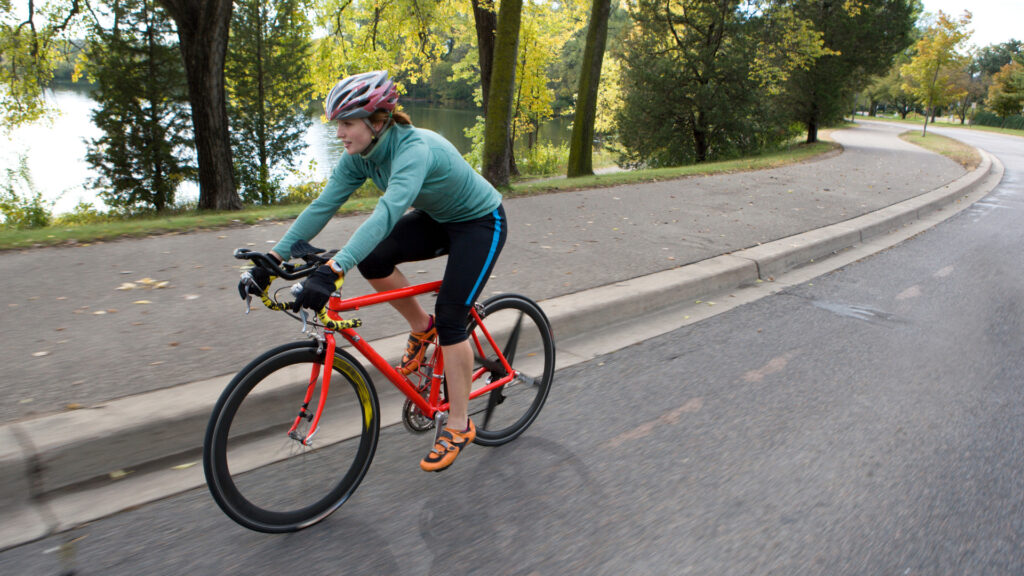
column 990, row 59
column 986, row 118
column 308, row 191
column 30, row 54
column 405, row 37
column 691, row 91
column 475, row 133
column 931, row 75
column 864, row 37
column 1006, row 94
column 544, row 159
column 21, row 205
column 268, row 89
column 145, row 150
column 83, row 213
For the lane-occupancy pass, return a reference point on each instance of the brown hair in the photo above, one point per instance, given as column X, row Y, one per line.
column 398, row 116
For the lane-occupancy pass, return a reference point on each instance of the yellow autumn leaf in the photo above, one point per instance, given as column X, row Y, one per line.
column 142, row 302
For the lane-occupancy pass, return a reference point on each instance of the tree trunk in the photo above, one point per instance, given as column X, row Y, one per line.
column 203, row 27
column 581, row 144
column 486, row 24
column 812, row 124
column 700, row 137
column 812, row 131
column 497, row 147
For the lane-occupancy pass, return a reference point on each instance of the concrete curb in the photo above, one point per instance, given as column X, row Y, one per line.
column 44, row 459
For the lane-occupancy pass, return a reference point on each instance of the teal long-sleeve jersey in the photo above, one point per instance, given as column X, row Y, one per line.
column 415, row 168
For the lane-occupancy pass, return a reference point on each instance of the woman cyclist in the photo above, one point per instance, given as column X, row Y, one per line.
column 455, row 212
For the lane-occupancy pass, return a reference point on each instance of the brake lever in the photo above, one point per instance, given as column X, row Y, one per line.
column 249, row 281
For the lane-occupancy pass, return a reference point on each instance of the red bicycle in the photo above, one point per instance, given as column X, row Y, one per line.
column 278, row 461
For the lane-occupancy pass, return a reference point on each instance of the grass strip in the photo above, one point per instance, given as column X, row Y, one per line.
column 955, row 150
column 919, row 121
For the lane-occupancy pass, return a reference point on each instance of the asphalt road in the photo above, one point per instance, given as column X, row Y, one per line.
column 866, row 422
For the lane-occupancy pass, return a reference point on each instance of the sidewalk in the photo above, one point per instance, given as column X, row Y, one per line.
column 141, row 367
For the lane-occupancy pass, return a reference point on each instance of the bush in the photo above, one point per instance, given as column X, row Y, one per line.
column 309, row 191
column 83, row 213
column 986, row 118
column 545, row 159
column 21, row 205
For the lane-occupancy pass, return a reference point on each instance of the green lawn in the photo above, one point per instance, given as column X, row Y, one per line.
column 89, row 233
column 957, row 151
column 918, row 120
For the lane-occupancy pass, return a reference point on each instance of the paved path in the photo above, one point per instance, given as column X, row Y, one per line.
column 71, row 338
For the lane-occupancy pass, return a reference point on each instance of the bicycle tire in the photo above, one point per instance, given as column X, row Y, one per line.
column 267, row 481
column 519, row 326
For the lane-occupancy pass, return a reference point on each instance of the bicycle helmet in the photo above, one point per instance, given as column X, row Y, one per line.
column 360, row 95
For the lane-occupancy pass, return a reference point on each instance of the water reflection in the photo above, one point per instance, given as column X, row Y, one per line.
column 55, row 150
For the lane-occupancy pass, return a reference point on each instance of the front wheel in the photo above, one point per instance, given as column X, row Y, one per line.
column 519, row 329
column 257, row 467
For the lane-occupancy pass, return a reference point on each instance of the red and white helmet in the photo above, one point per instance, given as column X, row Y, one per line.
column 361, row 95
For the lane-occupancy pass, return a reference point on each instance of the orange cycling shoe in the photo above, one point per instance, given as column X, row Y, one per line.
column 447, row 448
column 416, row 348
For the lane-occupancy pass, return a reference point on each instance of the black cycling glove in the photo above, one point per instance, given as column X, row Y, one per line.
column 317, row 288
column 254, row 281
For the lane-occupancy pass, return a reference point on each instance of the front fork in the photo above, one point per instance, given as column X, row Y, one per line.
column 304, row 413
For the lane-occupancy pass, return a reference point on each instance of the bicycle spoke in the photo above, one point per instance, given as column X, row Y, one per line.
column 493, row 399
column 513, row 340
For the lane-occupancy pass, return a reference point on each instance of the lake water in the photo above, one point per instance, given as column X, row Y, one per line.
column 55, row 150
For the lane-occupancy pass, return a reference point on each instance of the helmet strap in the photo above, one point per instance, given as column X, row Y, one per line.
column 377, row 134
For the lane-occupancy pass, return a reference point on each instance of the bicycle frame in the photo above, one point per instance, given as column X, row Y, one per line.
column 432, row 405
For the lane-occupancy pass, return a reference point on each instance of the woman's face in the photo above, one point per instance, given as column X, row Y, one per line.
column 355, row 135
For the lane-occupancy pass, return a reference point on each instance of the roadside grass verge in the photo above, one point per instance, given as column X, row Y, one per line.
column 173, row 224
column 955, row 150
column 918, row 120
column 792, row 155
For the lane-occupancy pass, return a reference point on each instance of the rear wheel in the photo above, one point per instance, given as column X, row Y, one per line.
column 519, row 328
column 265, row 478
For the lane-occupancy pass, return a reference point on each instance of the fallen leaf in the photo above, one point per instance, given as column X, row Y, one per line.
column 126, row 286
column 26, row 400
column 205, row 348
column 157, row 363
column 184, row 466
column 62, row 297
column 191, row 296
column 172, row 344
column 118, row 474
column 142, row 302
column 111, row 310
column 73, row 406
column 163, row 284
column 99, row 313
column 147, row 281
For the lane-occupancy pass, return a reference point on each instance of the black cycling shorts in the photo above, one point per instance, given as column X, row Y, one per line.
column 472, row 248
